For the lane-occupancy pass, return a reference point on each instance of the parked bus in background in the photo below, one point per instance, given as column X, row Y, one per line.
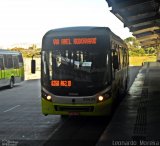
column 11, row 68
column 83, row 71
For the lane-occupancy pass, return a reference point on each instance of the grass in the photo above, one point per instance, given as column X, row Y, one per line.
column 138, row 60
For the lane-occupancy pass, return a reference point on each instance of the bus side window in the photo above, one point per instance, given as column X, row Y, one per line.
column 20, row 60
column 9, row 61
column 1, row 63
column 5, row 62
column 115, row 60
column 124, row 58
column 15, row 62
column 120, row 57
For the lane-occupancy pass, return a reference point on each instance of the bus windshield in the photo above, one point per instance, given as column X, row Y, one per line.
column 74, row 71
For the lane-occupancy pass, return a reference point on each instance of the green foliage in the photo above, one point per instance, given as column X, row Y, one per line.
column 28, row 53
column 135, row 48
column 137, row 52
column 150, row 51
column 132, row 42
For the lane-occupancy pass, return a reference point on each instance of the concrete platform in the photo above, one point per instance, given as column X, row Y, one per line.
column 137, row 119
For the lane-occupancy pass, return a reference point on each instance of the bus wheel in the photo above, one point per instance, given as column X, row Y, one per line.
column 11, row 84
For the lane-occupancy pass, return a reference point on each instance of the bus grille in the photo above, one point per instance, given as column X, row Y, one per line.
column 74, row 108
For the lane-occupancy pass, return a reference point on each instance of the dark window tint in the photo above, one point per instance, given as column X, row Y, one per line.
column 5, row 61
column 20, row 58
column 15, row 62
column 1, row 63
column 9, row 61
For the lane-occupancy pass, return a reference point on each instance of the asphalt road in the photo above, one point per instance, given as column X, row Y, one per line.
column 22, row 124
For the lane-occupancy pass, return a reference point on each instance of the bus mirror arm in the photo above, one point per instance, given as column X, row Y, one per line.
column 115, row 62
column 33, row 65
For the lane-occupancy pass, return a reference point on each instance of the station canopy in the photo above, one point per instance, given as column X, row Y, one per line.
column 142, row 17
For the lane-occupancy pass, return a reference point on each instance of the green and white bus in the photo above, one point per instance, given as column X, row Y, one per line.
column 11, row 68
column 83, row 71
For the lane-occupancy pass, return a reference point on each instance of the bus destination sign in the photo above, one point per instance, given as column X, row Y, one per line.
column 61, row 83
column 75, row 41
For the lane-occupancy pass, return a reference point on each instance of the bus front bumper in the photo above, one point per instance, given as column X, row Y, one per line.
column 98, row 109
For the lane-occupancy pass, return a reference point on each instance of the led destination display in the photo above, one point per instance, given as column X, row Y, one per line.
column 75, row 41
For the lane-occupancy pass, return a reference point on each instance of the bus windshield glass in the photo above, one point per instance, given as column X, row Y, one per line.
column 74, row 71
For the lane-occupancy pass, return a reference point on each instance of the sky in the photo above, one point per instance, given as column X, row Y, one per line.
column 26, row 21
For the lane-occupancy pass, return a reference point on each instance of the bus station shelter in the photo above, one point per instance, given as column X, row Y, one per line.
column 142, row 17
column 137, row 121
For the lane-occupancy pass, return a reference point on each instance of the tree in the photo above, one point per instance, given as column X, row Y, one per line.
column 28, row 53
column 134, row 47
column 132, row 42
column 150, row 51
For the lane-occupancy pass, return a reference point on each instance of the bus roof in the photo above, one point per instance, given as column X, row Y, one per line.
column 81, row 30
column 2, row 51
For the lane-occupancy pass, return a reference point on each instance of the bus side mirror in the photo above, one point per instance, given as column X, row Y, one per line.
column 115, row 62
column 33, row 66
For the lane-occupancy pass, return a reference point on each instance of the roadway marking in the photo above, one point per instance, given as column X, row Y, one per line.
column 11, row 108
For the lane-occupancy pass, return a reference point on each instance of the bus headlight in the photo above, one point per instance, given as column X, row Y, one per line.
column 103, row 97
column 100, row 98
column 49, row 97
column 46, row 96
